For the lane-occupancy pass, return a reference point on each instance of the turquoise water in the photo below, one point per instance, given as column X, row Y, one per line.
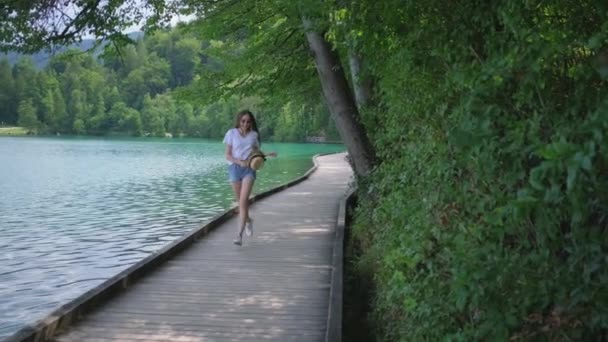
column 75, row 212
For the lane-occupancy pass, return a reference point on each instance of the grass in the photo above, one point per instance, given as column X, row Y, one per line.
column 11, row 130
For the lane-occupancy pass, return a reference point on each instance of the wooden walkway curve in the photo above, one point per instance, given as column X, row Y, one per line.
column 274, row 288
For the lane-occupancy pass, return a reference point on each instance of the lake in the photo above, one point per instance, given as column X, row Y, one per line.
column 76, row 211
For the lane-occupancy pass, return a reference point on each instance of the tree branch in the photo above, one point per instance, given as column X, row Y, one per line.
column 77, row 22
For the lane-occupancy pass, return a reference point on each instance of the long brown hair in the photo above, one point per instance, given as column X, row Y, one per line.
column 254, row 124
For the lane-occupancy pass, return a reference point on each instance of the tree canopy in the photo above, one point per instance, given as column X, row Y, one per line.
column 33, row 25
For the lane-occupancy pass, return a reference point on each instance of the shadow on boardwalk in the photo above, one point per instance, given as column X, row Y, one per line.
column 275, row 287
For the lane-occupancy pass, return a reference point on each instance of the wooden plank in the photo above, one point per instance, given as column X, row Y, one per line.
column 172, row 335
column 223, row 319
column 168, row 304
column 244, row 295
column 189, row 329
column 202, row 326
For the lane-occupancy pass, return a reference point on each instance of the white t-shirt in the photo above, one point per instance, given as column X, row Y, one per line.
column 241, row 145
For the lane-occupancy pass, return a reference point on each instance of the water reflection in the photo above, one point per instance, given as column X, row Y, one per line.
column 74, row 212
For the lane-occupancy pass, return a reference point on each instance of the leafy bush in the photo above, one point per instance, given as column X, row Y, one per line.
column 486, row 219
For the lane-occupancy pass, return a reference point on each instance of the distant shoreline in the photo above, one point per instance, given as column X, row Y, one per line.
column 13, row 131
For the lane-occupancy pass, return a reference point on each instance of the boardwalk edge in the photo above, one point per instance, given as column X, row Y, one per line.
column 334, row 316
column 69, row 313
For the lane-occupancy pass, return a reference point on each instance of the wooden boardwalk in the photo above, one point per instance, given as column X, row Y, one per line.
column 274, row 288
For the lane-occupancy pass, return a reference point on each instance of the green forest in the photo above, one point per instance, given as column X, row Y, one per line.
column 132, row 91
column 478, row 132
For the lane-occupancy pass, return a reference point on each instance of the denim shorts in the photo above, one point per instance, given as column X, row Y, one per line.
column 237, row 173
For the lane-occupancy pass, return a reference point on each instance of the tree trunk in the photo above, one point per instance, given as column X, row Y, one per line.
column 340, row 101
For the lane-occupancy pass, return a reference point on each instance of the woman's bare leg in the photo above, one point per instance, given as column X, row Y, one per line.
column 236, row 187
column 246, row 186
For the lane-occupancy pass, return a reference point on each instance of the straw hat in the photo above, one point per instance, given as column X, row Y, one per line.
column 256, row 160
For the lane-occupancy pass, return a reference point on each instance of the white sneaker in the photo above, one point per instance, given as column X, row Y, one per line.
column 249, row 227
column 238, row 241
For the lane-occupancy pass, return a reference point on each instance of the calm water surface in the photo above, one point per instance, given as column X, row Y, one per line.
column 75, row 212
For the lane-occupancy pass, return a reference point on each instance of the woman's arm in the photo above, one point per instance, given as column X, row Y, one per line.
column 271, row 154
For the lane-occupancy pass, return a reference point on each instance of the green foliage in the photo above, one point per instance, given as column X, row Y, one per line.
column 256, row 49
column 486, row 219
column 183, row 52
column 134, row 90
column 27, row 115
column 32, row 25
column 7, row 96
